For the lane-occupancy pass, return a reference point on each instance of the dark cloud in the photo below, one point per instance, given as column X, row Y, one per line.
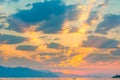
column 100, row 42
column 53, row 25
column 53, row 45
column 56, row 46
column 49, row 54
column 110, row 21
column 9, row 39
column 16, row 25
column 26, row 48
column 92, row 16
column 96, row 58
column 42, row 11
column 51, row 14
column 115, row 52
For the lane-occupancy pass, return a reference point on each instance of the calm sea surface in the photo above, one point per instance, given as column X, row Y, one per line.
column 58, row 79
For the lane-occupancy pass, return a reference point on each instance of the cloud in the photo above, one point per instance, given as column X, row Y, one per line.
column 57, row 60
column 1, row 1
column 9, row 51
column 16, row 25
column 50, row 15
column 115, row 52
column 100, row 42
column 41, row 11
column 18, row 62
column 3, row 21
column 53, row 25
column 26, row 48
column 9, row 39
column 110, row 21
column 106, row 2
column 96, row 58
column 56, row 46
column 92, row 16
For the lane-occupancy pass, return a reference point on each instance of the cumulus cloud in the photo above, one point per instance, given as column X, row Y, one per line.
column 115, row 52
column 9, row 39
column 26, row 48
column 96, row 58
column 53, row 25
column 50, row 15
column 56, row 46
column 16, row 25
column 41, row 11
column 110, row 21
column 100, row 42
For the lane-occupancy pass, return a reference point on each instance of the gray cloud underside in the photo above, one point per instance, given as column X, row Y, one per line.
column 56, row 46
column 96, row 58
column 100, row 42
column 26, row 48
column 115, row 52
column 9, row 39
column 110, row 21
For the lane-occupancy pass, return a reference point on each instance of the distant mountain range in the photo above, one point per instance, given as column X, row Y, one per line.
column 7, row 72
column 22, row 72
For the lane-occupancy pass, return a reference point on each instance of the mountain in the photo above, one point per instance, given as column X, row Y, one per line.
column 116, row 76
column 7, row 72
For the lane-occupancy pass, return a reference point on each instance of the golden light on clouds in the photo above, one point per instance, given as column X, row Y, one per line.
column 61, row 45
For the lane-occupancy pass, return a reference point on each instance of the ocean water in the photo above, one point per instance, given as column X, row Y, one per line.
column 59, row 79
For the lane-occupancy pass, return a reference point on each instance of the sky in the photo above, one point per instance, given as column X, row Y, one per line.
column 73, row 37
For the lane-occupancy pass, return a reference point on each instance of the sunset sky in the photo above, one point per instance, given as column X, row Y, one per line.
column 71, row 36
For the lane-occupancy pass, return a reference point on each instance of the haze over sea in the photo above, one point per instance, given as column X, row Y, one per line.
column 58, row 79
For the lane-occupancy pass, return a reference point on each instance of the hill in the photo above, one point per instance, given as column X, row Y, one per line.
column 7, row 72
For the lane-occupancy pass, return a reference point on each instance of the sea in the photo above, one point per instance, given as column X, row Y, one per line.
column 59, row 78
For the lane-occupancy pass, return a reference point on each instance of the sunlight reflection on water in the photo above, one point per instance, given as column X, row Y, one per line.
column 58, row 79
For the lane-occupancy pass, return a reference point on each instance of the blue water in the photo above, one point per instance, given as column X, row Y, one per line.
column 59, row 79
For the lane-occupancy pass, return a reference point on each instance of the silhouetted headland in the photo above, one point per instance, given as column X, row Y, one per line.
column 116, row 76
